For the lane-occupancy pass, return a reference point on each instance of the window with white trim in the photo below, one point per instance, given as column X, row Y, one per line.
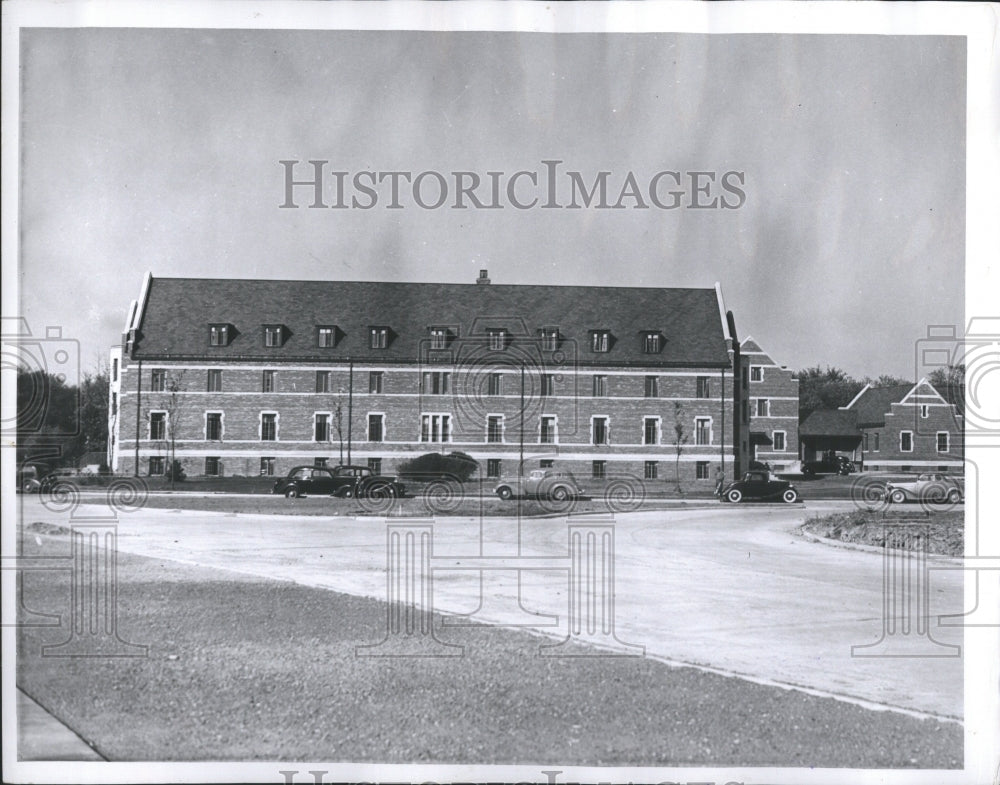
column 495, row 384
column 158, row 380
column 323, row 379
column 703, row 430
column 494, row 428
column 547, row 429
column 273, row 335
column 650, row 470
column 214, row 380
column 213, row 426
column 497, row 338
column 376, row 427
column 701, row 470
column 218, row 334
column 925, row 411
column 651, row 342
column 321, row 426
column 439, row 337
column 550, row 339
column 943, row 441
column 325, row 337
column 267, row 381
column 600, row 386
column 599, row 470
column 378, row 337
column 157, row 466
column 268, row 427
column 548, row 385
column 906, row 441
column 756, row 373
column 213, row 466
column 704, row 387
column 436, row 382
column 493, row 468
column 435, row 428
column 599, row 430
column 763, row 407
column 651, row 387
column 778, row 439
column 267, row 466
column 157, row 426
column 600, row 341
column 375, row 382
column 651, row 430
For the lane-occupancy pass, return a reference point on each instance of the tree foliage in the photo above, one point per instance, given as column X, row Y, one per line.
column 435, row 465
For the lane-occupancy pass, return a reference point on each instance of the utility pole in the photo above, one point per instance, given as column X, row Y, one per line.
column 350, row 407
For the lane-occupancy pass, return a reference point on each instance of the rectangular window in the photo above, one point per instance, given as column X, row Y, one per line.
column 375, row 464
column 599, row 470
column 157, row 380
column 114, row 370
column 321, row 428
column 157, row 466
column 906, row 441
column 703, row 430
column 272, row 335
column 114, row 403
column 493, row 468
column 650, row 470
column 864, row 442
column 323, row 381
column 497, row 338
column 495, row 384
column 548, row 385
column 778, row 437
column 701, row 470
column 214, row 380
column 435, row 428
column 267, row 467
column 494, row 428
column 324, row 337
column 600, row 386
column 439, row 338
column 376, row 379
column 376, row 428
column 267, row 381
column 704, row 388
column 651, row 430
column 925, row 411
column 546, row 463
column 378, row 337
column 319, row 463
column 218, row 334
column 547, row 430
column 942, row 441
column 600, row 341
column 763, row 407
column 651, row 343
column 550, row 339
column 213, row 426
column 158, row 426
column 756, row 373
column 875, row 441
column 268, row 427
column 599, row 430
column 436, row 383
column 652, row 387
column 213, row 466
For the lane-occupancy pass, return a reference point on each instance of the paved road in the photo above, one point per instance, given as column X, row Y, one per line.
column 730, row 588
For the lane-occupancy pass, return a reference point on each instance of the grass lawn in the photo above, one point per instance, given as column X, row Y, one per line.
column 946, row 529
column 247, row 668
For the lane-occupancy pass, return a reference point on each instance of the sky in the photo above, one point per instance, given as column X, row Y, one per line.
column 159, row 150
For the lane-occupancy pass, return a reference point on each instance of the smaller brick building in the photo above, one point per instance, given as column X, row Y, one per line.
column 772, row 407
column 900, row 428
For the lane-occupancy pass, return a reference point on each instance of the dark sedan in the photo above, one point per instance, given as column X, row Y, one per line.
column 760, row 486
column 343, row 481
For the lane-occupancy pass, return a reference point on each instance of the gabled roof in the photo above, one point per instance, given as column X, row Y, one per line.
column 830, row 422
column 872, row 403
column 177, row 312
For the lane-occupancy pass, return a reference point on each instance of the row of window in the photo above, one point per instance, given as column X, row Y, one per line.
column 431, row 383
column 870, row 441
column 437, row 428
column 382, row 336
column 494, row 467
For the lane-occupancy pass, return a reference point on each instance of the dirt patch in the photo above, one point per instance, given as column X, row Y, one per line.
column 945, row 530
column 50, row 529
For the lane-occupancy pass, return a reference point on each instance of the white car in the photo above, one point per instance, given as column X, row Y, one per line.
column 928, row 487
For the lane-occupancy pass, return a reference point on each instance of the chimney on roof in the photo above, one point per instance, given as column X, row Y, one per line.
column 483, row 277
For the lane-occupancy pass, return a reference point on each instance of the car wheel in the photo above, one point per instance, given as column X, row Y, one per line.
column 505, row 493
column 790, row 496
column 559, row 494
column 344, row 493
column 735, row 496
column 292, row 493
column 954, row 496
column 897, row 497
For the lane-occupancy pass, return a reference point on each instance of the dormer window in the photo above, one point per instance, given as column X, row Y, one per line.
column 550, row 339
column 600, row 340
column 439, row 337
column 652, row 342
column 219, row 334
column 274, row 335
column 326, row 336
column 498, row 338
column 378, row 337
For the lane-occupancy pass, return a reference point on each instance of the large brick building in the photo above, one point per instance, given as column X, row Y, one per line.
column 248, row 377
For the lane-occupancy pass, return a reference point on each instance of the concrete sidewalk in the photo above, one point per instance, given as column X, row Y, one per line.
column 41, row 737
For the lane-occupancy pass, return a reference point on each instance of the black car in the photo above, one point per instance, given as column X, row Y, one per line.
column 760, row 486
column 343, row 481
column 829, row 464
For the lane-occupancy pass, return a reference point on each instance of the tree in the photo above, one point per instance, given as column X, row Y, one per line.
column 681, row 438
column 950, row 383
column 825, row 389
column 174, row 407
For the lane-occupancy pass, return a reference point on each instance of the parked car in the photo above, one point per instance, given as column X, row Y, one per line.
column 829, row 464
column 760, row 486
column 927, row 487
column 28, row 480
column 548, row 484
column 343, row 481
